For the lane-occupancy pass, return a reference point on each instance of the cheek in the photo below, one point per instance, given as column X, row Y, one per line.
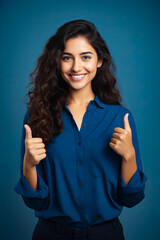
column 92, row 67
column 63, row 67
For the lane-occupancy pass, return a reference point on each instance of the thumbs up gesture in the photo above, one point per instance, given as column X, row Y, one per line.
column 34, row 149
column 121, row 141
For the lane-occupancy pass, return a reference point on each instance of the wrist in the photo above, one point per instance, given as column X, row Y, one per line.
column 28, row 166
column 29, row 170
column 130, row 156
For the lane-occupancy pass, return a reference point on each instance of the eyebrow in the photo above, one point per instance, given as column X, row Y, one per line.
column 67, row 53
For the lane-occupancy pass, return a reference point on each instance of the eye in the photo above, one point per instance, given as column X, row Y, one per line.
column 86, row 57
column 66, row 58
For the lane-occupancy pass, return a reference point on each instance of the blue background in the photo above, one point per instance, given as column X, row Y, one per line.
column 132, row 33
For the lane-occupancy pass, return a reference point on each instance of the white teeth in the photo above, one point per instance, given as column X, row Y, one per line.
column 79, row 76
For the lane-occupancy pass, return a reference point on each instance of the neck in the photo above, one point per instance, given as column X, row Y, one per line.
column 80, row 97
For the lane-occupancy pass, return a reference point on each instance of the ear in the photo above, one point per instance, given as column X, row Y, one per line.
column 99, row 64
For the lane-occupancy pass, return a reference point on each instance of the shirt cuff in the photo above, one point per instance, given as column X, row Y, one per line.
column 24, row 188
column 136, row 183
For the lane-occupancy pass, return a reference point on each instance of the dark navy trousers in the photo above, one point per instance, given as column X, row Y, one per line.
column 49, row 230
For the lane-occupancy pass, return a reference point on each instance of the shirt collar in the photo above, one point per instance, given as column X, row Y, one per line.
column 98, row 102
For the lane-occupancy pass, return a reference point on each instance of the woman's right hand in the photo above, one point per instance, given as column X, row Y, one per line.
column 34, row 149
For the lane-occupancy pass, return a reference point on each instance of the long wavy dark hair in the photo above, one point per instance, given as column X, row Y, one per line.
column 49, row 91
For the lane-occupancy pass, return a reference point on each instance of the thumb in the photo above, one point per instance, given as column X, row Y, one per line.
column 126, row 122
column 28, row 131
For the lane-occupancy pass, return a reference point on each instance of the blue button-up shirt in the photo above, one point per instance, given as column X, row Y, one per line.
column 80, row 181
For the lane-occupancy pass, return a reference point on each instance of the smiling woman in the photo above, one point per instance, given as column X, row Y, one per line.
column 76, row 124
column 79, row 65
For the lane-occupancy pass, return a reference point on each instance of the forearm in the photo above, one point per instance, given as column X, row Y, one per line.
column 32, row 187
column 128, row 167
column 31, row 176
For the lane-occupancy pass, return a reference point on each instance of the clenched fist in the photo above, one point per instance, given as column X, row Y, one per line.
column 34, row 149
column 121, row 141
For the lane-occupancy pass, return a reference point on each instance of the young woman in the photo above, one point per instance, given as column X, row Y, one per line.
column 80, row 157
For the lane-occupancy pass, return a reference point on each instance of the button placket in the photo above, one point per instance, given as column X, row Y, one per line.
column 80, row 171
column 79, row 136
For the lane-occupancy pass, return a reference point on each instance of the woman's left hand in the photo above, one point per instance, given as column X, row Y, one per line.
column 121, row 141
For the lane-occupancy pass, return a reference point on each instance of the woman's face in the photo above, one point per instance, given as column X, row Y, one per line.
column 79, row 62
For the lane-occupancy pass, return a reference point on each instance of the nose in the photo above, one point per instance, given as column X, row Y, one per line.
column 76, row 66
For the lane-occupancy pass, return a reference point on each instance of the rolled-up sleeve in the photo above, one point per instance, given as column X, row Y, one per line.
column 34, row 199
column 133, row 193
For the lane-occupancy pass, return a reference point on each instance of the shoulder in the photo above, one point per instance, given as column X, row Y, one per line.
column 118, row 111
column 116, row 108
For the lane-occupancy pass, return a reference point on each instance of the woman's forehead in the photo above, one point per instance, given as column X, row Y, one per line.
column 78, row 44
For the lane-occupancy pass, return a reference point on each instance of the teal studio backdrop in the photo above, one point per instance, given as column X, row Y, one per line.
column 132, row 33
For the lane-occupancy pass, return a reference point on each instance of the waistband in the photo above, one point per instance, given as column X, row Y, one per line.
column 99, row 228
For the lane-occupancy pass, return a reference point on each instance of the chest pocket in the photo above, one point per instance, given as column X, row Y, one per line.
column 104, row 162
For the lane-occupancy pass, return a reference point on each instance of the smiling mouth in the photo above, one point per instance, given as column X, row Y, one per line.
column 77, row 76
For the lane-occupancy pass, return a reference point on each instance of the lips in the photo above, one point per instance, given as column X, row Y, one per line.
column 77, row 76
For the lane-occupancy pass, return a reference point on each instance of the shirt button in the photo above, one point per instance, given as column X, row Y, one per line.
column 79, row 143
column 79, row 163
column 80, row 184
column 84, row 125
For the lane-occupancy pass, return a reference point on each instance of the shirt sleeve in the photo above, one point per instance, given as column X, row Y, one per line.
column 133, row 193
column 34, row 199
